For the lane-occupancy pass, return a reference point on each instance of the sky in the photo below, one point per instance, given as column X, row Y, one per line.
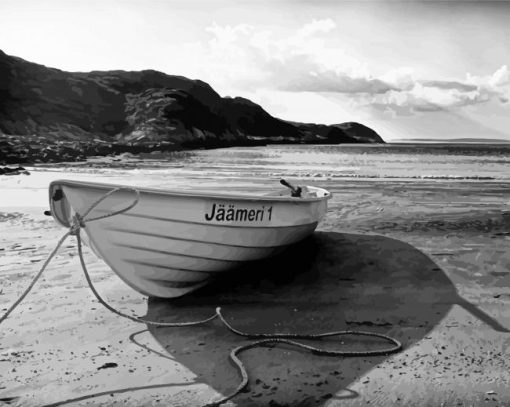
column 408, row 69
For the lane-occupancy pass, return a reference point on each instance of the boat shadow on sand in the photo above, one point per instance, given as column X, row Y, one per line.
column 330, row 281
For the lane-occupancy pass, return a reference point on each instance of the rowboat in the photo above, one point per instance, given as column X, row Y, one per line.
column 173, row 242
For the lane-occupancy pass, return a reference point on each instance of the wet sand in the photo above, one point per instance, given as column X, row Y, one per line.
column 427, row 262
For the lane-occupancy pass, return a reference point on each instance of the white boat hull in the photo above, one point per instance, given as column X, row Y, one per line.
column 174, row 242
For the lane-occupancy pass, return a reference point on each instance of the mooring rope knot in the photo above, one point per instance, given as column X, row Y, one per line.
column 76, row 225
column 79, row 221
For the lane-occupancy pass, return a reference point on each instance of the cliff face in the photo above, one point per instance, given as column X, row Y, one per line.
column 148, row 109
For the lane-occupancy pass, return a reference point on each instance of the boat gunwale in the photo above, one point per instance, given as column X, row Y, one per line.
column 192, row 194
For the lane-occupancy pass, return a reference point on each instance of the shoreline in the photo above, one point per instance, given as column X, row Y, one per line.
column 29, row 150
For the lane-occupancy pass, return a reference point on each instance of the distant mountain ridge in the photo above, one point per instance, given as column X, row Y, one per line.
column 137, row 111
column 464, row 140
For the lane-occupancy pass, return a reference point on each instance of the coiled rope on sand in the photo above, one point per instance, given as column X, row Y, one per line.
column 80, row 221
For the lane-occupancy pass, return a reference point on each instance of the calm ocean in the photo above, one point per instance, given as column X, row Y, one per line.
column 405, row 161
column 258, row 169
column 418, row 161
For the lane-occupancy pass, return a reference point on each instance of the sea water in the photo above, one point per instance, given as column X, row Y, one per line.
column 404, row 161
column 258, row 169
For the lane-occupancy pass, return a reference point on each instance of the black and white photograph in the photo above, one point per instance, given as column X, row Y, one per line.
column 281, row 203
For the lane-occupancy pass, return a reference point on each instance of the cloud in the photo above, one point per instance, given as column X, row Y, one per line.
column 317, row 26
column 442, row 95
column 401, row 77
column 242, row 57
column 464, row 87
column 299, row 61
column 500, row 78
column 336, row 83
column 429, row 96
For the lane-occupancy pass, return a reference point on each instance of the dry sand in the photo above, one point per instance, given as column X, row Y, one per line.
column 425, row 262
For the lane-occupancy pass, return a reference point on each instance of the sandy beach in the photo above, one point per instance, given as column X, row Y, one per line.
column 424, row 261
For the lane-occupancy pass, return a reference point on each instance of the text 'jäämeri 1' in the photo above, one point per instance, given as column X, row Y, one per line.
column 225, row 213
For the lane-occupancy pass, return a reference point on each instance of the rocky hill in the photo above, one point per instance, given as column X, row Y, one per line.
column 51, row 115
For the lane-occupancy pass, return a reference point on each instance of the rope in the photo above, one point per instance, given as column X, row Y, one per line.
column 131, row 317
column 283, row 338
column 34, row 280
column 80, row 221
